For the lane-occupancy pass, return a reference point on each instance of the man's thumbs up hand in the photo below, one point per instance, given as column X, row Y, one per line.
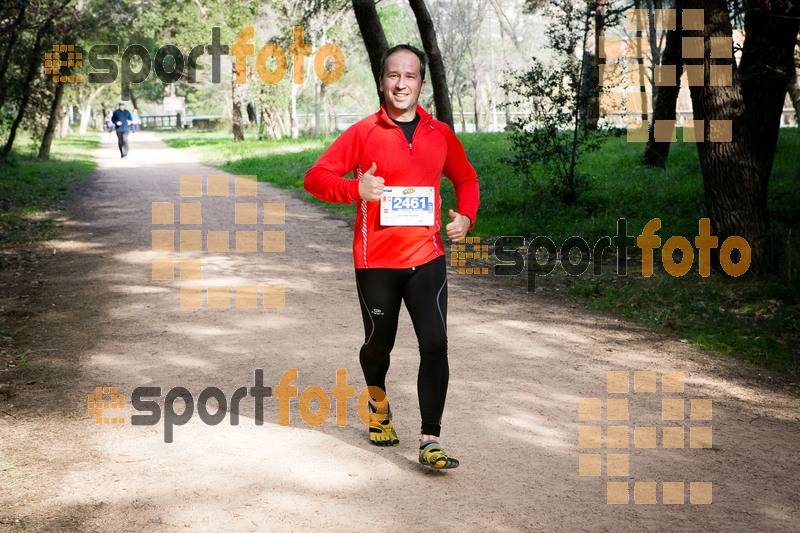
column 457, row 229
column 370, row 187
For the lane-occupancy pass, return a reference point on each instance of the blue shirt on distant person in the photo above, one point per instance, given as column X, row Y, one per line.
column 122, row 115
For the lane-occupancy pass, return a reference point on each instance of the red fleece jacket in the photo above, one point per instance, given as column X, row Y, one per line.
column 434, row 150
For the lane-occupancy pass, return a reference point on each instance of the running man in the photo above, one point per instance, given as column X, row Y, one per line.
column 398, row 156
column 122, row 119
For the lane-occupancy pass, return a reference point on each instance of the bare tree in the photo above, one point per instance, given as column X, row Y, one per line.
column 666, row 96
column 794, row 95
column 374, row 39
column 460, row 28
column 441, row 95
column 590, row 100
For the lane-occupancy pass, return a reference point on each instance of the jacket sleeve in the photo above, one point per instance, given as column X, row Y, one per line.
column 325, row 179
column 465, row 180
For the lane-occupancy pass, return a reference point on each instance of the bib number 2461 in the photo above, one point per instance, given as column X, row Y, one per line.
column 413, row 203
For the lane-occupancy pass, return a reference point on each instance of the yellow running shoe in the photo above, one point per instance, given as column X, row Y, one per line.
column 381, row 432
column 433, row 455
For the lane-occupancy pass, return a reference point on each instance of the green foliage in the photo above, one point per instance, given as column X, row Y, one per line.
column 550, row 136
column 397, row 26
column 757, row 321
column 282, row 163
column 30, row 188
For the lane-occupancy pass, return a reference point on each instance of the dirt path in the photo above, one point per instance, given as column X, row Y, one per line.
column 519, row 365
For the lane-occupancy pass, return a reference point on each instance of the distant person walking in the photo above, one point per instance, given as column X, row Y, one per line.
column 122, row 119
column 136, row 121
column 109, row 124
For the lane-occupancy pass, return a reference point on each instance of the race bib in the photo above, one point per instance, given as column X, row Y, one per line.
column 407, row 206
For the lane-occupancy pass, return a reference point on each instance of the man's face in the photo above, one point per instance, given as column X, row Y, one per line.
column 122, row 107
column 401, row 84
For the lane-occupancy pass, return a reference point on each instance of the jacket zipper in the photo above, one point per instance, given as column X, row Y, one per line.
column 410, row 152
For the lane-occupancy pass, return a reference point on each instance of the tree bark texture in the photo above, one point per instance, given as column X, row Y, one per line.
column 236, row 107
column 766, row 69
column 374, row 39
column 441, row 96
column 735, row 190
column 656, row 153
column 52, row 122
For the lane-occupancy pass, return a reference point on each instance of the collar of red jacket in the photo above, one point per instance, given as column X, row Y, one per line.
column 424, row 116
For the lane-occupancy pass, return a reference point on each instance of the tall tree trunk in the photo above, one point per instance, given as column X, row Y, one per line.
column 505, row 26
column 324, row 96
column 317, row 106
column 295, row 127
column 52, row 122
column 6, row 59
column 590, row 100
column 766, row 69
column 655, row 49
column 441, row 95
column 460, row 107
column 637, row 4
column 666, row 99
column 86, row 109
column 63, row 129
column 374, row 39
column 236, row 109
column 794, row 96
column 735, row 189
column 599, row 32
column 33, row 68
column 506, row 107
column 475, row 103
column 251, row 114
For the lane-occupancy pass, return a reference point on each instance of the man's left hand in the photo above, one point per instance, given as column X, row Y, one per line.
column 457, row 229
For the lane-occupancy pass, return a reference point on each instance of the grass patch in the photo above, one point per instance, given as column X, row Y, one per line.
column 755, row 320
column 30, row 189
column 752, row 320
column 283, row 163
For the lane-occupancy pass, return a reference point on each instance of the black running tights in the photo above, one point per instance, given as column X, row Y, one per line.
column 424, row 291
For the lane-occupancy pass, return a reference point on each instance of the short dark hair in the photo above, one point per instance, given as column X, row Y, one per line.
column 407, row 47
